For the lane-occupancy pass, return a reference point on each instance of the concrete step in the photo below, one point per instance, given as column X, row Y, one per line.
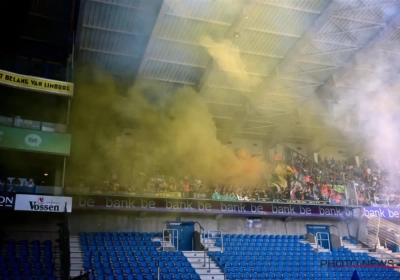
column 76, row 255
column 207, row 265
column 189, row 254
column 76, row 266
column 206, row 270
column 322, row 250
column 75, row 272
column 77, row 260
column 366, row 250
column 75, row 250
column 214, row 249
column 213, row 277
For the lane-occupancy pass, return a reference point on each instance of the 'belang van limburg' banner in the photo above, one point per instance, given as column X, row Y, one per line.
column 36, row 83
column 213, row 207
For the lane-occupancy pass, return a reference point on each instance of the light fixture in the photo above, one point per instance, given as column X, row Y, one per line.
column 45, row 174
column 236, row 34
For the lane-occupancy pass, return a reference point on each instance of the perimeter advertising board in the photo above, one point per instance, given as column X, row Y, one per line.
column 41, row 203
column 213, row 207
column 382, row 212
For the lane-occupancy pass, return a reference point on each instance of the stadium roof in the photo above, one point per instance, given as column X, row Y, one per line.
column 37, row 30
column 292, row 51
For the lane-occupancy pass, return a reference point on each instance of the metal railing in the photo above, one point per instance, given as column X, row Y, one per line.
column 201, row 237
column 382, row 233
column 339, row 233
column 217, row 234
column 172, row 237
column 319, row 236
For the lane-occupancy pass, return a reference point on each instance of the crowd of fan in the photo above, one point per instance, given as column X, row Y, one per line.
column 328, row 178
column 305, row 180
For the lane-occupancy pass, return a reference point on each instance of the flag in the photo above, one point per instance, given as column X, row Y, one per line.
column 355, row 276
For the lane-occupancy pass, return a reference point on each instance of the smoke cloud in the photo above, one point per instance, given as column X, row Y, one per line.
column 145, row 132
column 371, row 113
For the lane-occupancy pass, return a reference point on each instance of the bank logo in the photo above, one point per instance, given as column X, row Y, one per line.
column 33, row 140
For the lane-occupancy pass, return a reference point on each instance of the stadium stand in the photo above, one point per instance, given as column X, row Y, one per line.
column 290, row 257
column 120, row 256
column 132, row 256
column 23, row 260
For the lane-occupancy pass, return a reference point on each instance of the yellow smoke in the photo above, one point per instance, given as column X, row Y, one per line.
column 228, row 59
column 145, row 131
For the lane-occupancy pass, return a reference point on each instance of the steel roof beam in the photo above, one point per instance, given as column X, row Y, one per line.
column 327, row 89
column 48, row 18
column 113, row 30
column 168, row 81
column 198, row 19
column 273, row 32
column 111, row 53
column 176, row 62
column 121, row 5
column 275, row 4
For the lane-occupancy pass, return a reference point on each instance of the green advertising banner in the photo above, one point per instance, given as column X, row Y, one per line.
column 35, row 140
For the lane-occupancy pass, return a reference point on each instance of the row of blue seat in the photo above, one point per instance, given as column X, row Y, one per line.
column 253, row 236
column 296, row 268
column 145, row 270
column 29, row 278
column 308, row 276
column 263, row 245
column 135, row 258
column 111, row 240
column 142, row 234
column 89, row 264
column 149, row 277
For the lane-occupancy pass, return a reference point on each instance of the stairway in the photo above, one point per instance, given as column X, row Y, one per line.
column 205, row 267
column 209, row 244
column 315, row 247
column 165, row 245
column 76, row 256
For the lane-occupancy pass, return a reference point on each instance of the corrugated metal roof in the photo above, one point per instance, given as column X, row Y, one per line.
column 113, row 34
column 275, row 40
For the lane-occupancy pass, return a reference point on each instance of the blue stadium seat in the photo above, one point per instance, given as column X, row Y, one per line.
column 126, row 255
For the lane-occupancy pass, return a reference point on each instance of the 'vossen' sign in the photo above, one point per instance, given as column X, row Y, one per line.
column 40, row 203
column 213, row 207
column 7, row 201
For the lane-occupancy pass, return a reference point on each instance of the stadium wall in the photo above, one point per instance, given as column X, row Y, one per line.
column 152, row 222
column 338, row 153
